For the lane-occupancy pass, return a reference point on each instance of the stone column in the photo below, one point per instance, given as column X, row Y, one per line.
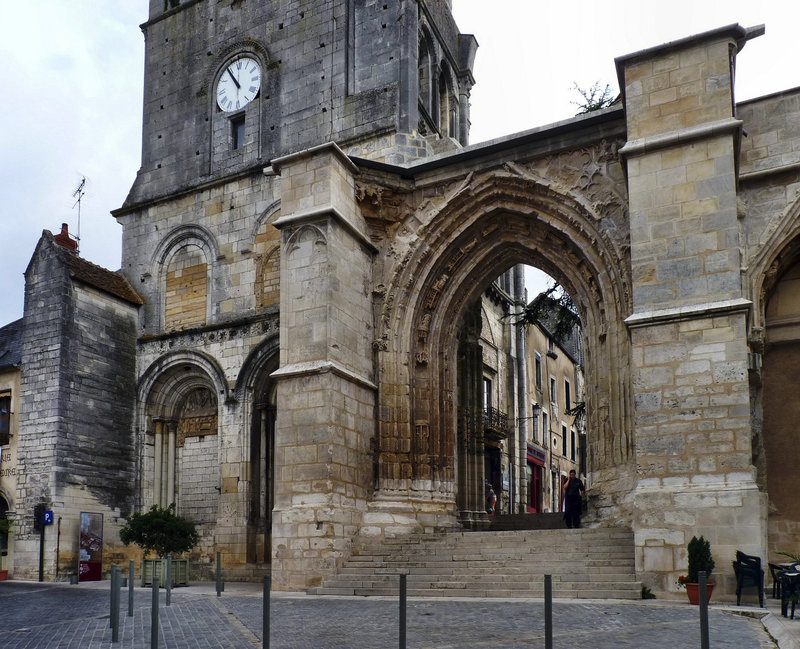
column 263, row 469
column 688, row 328
column 158, row 445
column 172, row 431
column 325, row 389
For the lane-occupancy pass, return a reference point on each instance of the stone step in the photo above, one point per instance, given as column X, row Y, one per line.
column 507, row 571
column 583, row 563
column 628, row 592
column 528, row 557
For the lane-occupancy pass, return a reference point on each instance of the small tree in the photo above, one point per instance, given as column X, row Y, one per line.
column 699, row 559
column 161, row 531
column 555, row 309
column 594, row 98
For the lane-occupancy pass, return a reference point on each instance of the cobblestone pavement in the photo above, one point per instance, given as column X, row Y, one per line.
column 45, row 616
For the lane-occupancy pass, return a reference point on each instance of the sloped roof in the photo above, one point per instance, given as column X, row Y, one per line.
column 11, row 345
column 108, row 281
column 101, row 278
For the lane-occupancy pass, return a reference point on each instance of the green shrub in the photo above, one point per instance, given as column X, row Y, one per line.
column 161, row 531
column 699, row 559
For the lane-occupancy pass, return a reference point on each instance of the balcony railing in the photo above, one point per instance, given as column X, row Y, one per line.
column 490, row 422
column 495, row 422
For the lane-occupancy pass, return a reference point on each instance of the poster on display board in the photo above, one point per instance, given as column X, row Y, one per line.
column 91, row 547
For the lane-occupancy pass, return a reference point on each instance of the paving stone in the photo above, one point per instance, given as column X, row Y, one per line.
column 49, row 616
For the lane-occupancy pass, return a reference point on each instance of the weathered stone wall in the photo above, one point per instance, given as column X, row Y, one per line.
column 76, row 403
column 773, row 132
column 688, row 327
column 325, row 380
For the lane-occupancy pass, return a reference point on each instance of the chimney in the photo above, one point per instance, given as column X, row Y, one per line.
column 64, row 240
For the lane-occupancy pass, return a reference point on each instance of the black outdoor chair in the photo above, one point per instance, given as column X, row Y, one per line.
column 748, row 572
column 790, row 590
column 774, row 571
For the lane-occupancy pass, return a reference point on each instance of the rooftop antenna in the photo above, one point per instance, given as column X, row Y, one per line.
column 80, row 190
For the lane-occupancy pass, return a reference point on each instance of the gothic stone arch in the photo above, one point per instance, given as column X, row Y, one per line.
column 256, row 392
column 774, row 338
column 490, row 223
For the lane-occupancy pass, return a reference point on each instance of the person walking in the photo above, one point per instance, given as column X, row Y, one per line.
column 573, row 490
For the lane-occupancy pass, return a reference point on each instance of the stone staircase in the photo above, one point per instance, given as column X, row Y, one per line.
column 584, row 563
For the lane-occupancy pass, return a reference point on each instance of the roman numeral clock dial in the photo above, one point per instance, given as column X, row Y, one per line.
column 239, row 84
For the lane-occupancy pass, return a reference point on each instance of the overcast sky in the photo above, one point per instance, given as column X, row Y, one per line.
column 72, row 73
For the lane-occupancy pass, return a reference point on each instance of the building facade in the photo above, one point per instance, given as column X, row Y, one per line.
column 556, row 436
column 308, row 238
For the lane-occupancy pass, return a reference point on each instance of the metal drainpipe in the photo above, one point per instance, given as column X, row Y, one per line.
column 522, row 387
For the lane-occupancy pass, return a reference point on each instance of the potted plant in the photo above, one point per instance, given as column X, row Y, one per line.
column 700, row 559
column 162, row 531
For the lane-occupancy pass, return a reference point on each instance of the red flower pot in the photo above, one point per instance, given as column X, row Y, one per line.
column 693, row 591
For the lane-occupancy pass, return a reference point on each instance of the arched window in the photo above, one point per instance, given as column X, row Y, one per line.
column 184, row 267
column 448, row 103
column 426, row 81
column 186, row 289
column 424, row 75
column 267, row 249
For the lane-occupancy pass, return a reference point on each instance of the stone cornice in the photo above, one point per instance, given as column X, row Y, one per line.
column 770, row 171
column 689, row 312
column 321, row 367
column 320, row 213
column 327, row 147
column 643, row 145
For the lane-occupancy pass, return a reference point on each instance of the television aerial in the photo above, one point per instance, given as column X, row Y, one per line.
column 78, row 194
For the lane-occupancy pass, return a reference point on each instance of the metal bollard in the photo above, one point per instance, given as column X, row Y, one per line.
column 154, row 614
column 703, row 592
column 219, row 574
column 403, row 611
column 130, row 588
column 116, row 583
column 265, row 612
column 169, row 581
column 111, row 600
column 548, row 612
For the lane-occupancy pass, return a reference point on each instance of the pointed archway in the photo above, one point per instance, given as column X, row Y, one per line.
column 495, row 222
column 257, row 391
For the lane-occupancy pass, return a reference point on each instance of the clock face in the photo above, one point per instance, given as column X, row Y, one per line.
column 239, row 84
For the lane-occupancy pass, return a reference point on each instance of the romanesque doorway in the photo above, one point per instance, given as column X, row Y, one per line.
column 181, row 445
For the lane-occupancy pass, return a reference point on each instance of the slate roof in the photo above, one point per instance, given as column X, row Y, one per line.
column 108, row 281
column 11, row 345
column 101, row 278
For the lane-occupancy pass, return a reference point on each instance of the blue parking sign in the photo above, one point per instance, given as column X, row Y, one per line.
column 47, row 517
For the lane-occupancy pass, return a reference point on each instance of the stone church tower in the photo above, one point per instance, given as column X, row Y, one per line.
column 297, row 350
column 261, row 428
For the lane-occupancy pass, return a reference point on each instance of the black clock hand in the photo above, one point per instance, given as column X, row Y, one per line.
column 234, row 78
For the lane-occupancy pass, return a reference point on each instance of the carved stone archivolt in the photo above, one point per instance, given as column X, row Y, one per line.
column 561, row 213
